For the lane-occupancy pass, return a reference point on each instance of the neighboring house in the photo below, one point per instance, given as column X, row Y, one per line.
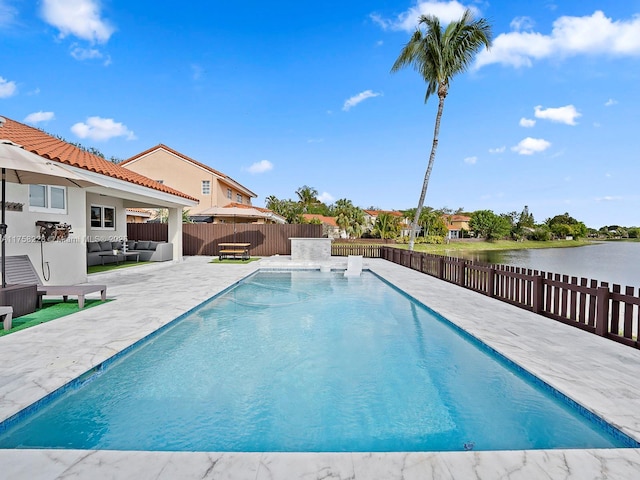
column 330, row 228
column 138, row 215
column 455, row 224
column 169, row 167
column 95, row 213
column 239, row 213
column 370, row 217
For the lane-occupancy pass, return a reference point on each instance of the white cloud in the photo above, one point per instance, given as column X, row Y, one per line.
column 522, row 23
column 408, row 20
column 527, row 122
column 471, row 160
column 80, row 18
column 315, row 140
column 609, row 198
column 7, row 88
column 37, row 117
column 529, row 146
column 566, row 114
column 261, row 167
column 98, row 128
column 498, row 149
column 356, row 99
column 80, row 53
column 8, row 14
column 570, row 36
column 326, row 197
column 197, row 71
column 610, row 102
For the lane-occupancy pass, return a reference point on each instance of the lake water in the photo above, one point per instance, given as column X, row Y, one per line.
column 613, row 262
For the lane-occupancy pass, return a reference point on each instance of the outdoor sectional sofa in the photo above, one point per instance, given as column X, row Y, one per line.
column 147, row 251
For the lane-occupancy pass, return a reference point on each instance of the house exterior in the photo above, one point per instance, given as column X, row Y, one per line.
column 330, row 228
column 210, row 187
column 239, row 213
column 455, row 224
column 95, row 213
column 139, row 215
column 370, row 217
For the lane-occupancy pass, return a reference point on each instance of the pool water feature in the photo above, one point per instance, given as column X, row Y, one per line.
column 309, row 361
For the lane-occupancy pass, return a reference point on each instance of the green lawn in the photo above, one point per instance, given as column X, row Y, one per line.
column 51, row 310
column 231, row 260
column 496, row 245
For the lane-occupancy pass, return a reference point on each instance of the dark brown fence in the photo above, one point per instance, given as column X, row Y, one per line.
column 346, row 249
column 203, row 238
column 579, row 303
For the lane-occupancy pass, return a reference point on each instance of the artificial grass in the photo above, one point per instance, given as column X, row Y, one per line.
column 51, row 310
column 112, row 266
column 233, row 260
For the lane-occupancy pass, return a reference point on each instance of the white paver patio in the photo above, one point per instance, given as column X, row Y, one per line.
column 599, row 374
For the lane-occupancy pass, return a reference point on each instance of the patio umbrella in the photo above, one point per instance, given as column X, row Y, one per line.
column 21, row 166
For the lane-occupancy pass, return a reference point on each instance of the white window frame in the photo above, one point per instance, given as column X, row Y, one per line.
column 238, row 198
column 102, row 217
column 206, row 187
column 48, row 208
column 229, row 194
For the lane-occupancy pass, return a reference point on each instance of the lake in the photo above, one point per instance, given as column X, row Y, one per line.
column 613, row 262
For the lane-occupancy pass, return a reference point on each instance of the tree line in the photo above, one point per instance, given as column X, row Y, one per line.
column 432, row 222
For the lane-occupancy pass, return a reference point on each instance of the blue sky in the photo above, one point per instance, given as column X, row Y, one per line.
column 283, row 94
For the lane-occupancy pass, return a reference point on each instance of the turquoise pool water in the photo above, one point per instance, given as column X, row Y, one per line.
column 309, row 361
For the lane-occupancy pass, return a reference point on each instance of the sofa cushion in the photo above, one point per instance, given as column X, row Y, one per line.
column 93, row 247
column 142, row 245
column 116, row 245
column 131, row 244
column 153, row 245
column 105, row 246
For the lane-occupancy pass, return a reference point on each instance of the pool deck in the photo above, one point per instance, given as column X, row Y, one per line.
column 599, row 374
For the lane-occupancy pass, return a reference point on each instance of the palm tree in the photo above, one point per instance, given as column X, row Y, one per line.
column 308, row 197
column 438, row 56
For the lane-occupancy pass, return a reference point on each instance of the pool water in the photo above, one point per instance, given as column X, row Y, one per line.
column 316, row 362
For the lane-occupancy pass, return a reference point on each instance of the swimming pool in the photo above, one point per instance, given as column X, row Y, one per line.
column 334, row 364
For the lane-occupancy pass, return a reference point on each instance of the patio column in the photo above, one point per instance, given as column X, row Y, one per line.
column 175, row 232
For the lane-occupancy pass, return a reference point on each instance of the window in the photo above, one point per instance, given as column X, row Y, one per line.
column 229, row 194
column 239, row 198
column 160, row 181
column 206, row 187
column 103, row 217
column 47, row 198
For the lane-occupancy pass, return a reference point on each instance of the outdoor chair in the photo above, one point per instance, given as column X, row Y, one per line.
column 19, row 270
column 354, row 266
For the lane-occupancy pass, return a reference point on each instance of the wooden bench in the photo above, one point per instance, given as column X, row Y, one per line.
column 233, row 250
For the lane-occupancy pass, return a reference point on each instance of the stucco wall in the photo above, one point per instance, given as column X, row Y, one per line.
column 64, row 261
column 120, row 231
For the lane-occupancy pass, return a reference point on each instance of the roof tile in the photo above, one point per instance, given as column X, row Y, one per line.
column 50, row 147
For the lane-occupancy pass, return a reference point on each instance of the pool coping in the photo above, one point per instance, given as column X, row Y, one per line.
column 48, row 355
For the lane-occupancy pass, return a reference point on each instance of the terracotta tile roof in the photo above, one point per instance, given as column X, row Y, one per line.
column 324, row 219
column 375, row 213
column 455, row 218
column 243, row 205
column 47, row 146
column 188, row 159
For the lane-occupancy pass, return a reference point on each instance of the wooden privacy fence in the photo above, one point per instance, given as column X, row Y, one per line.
column 346, row 249
column 203, row 238
column 583, row 303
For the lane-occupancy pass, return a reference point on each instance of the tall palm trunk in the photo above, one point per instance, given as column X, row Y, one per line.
column 442, row 94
